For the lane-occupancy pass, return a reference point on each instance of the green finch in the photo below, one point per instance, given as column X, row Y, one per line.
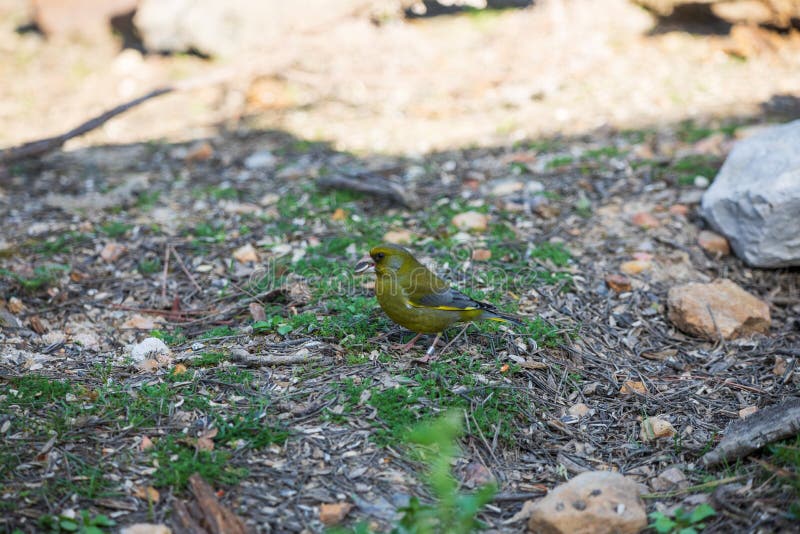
column 415, row 298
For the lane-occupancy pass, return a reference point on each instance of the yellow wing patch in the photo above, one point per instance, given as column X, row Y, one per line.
column 444, row 308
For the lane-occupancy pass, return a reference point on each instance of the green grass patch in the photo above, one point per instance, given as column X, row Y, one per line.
column 177, row 461
column 207, row 359
column 115, row 229
column 219, row 331
column 149, row 265
column 172, row 338
column 424, row 393
column 62, row 243
column 687, row 168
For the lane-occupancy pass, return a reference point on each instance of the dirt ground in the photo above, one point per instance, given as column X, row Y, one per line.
column 557, row 124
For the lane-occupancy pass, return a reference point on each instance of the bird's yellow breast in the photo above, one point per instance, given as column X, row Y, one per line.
column 422, row 319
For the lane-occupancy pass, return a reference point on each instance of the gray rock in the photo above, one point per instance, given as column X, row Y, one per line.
column 755, row 199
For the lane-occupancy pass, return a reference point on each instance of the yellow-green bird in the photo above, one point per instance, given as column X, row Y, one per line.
column 415, row 298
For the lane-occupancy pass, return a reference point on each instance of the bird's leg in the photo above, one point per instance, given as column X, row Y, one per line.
column 407, row 346
column 429, row 356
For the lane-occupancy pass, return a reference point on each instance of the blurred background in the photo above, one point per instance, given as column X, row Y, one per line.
column 394, row 76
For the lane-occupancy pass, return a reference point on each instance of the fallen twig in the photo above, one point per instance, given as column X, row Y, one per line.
column 42, row 146
column 692, row 489
column 743, row 437
column 369, row 184
column 302, row 355
column 206, row 514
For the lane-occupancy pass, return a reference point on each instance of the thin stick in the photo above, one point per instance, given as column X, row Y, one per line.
column 692, row 489
column 370, row 185
column 164, row 274
column 42, row 146
column 185, row 270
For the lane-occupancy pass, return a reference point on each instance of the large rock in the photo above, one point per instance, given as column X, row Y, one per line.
column 87, row 18
column 780, row 13
column 226, row 28
column 719, row 308
column 596, row 502
column 755, row 199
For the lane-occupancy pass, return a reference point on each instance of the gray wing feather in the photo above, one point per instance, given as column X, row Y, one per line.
column 452, row 299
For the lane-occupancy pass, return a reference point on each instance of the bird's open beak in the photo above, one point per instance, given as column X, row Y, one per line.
column 364, row 265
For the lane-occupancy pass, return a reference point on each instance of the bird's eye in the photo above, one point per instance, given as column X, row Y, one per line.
column 379, row 256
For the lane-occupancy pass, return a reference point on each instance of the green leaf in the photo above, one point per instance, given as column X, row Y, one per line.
column 662, row 523
column 68, row 524
column 262, row 326
column 285, row 329
column 703, row 511
column 687, row 530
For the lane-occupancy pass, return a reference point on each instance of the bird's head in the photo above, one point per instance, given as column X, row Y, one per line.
column 386, row 259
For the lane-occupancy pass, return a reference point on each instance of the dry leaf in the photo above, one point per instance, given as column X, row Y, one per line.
column 146, row 528
column 630, row 386
column 618, row 283
column 141, row 322
column 201, row 152
column 655, row 428
column 257, row 312
column 15, row 305
column 246, row 254
column 112, row 252
column 578, row 410
column 149, row 494
column 781, row 364
column 530, row 364
column 471, row 220
column 481, row 254
column 644, row 219
column 398, row 237
column 659, row 355
column 476, row 474
column 634, row 266
column 146, row 444
column 747, row 411
column 333, row 514
column 205, row 441
column 37, row 325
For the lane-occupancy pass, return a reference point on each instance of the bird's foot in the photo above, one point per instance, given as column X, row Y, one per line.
column 405, row 347
column 430, row 354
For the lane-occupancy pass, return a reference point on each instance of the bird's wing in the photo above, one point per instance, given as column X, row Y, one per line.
column 449, row 299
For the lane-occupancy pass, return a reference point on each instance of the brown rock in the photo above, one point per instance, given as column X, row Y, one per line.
column 634, row 266
column 669, row 480
column 703, row 309
column 618, row 283
column 713, row 243
column 332, row 514
column 595, row 502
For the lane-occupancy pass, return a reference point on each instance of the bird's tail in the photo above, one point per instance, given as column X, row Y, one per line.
column 503, row 317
